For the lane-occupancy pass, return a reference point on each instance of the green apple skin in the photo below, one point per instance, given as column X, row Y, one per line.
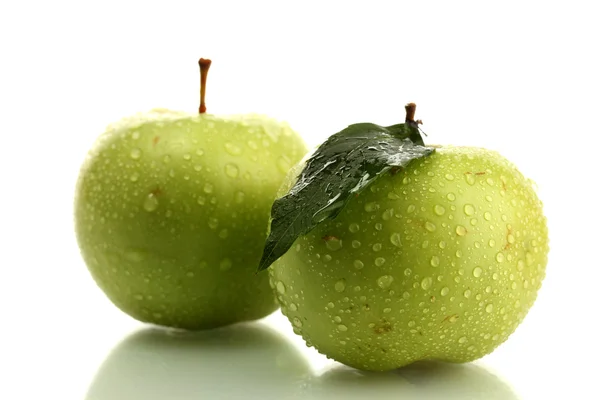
column 172, row 211
column 441, row 260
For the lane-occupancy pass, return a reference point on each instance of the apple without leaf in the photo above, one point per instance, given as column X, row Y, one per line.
column 172, row 209
column 441, row 259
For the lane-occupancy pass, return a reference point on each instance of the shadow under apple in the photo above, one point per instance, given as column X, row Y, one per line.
column 243, row 361
column 429, row 380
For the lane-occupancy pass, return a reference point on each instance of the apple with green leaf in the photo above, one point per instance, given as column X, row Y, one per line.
column 172, row 210
column 386, row 251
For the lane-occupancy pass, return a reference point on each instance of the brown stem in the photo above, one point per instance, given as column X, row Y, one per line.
column 204, row 66
column 410, row 108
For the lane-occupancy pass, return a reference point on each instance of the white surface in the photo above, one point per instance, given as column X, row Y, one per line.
column 518, row 77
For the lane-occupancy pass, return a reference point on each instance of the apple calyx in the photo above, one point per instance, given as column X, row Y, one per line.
column 204, row 64
column 342, row 167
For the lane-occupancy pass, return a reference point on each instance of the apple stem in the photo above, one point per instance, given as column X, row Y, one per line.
column 410, row 108
column 204, row 64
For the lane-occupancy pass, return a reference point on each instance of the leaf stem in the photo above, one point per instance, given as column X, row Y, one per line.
column 204, row 64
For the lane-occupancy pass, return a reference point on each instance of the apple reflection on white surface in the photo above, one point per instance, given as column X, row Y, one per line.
column 423, row 380
column 254, row 361
column 242, row 361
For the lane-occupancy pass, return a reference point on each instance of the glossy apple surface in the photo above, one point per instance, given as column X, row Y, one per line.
column 172, row 210
column 441, row 260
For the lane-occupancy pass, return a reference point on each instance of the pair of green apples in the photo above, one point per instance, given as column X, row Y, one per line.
column 441, row 259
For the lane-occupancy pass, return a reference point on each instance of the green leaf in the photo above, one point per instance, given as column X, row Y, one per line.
column 345, row 164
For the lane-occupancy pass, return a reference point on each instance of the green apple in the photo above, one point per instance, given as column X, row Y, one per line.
column 172, row 209
column 439, row 260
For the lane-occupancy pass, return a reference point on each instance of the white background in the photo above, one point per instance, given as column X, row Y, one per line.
column 518, row 77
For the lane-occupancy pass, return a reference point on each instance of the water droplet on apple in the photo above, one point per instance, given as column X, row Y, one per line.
column 444, row 291
column 377, row 247
column 358, row 264
column 232, row 170
column 135, row 255
column 233, row 149
column 489, row 308
column 469, row 209
column 379, row 226
column 135, row 135
column 470, row 179
column 293, row 307
column 239, row 197
column 435, row 261
column 371, row 207
column 410, row 208
column 430, row 226
column 395, row 239
column 342, row 328
column 150, row 203
column 451, row 196
column 487, row 216
column 297, row 322
column 520, row 265
column 449, row 177
column 223, row 233
column 387, row 214
column 477, row 271
column 201, row 200
column 462, row 340
column 213, row 223
column 187, row 156
column 510, row 238
column 439, row 210
column 281, row 287
column 426, row 283
column 529, row 258
column 407, row 272
column 340, row 286
column 225, row 264
column 333, row 244
column 385, row 281
column 199, row 152
column 500, row 257
column 356, row 244
column 190, row 274
column 379, row 261
column 208, row 187
column 354, row 227
column 134, row 177
column 461, row 230
column 135, row 153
